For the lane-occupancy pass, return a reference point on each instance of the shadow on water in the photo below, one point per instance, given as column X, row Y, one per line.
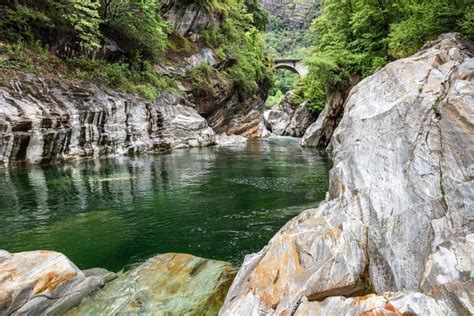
column 218, row 203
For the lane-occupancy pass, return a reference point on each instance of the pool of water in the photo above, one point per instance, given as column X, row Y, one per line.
column 217, row 203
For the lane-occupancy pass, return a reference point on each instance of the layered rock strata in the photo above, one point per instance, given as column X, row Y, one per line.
column 398, row 214
column 47, row 120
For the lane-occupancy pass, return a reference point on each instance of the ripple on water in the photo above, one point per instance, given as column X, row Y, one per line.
column 217, row 203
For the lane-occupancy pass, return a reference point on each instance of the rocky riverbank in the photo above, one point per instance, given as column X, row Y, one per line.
column 47, row 283
column 397, row 220
column 394, row 235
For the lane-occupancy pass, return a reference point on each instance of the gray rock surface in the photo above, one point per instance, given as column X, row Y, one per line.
column 225, row 140
column 285, row 120
column 399, row 206
column 319, row 133
column 187, row 17
column 43, row 283
column 169, row 284
column 390, row 304
column 205, row 55
column 47, row 120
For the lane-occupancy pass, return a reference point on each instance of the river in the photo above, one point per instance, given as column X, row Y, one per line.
column 216, row 202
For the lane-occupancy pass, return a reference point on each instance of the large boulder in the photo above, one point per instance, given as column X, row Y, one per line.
column 398, row 214
column 169, row 284
column 286, row 120
column 47, row 120
column 44, row 283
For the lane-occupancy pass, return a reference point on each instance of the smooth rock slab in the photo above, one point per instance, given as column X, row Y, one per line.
column 43, row 283
column 169, row 284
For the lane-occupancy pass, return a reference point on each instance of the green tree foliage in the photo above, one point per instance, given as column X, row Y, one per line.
column 83, row 16
column 358, row 37
column 139, row 24
column 238, row 38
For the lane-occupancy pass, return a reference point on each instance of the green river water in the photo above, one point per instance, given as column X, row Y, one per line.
column 218, row 203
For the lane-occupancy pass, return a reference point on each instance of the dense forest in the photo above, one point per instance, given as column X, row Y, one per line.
column 67, row 39
column 358, row 37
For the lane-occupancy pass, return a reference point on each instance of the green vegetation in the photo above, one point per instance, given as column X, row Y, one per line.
column 239, row 39
column 36, row 33
column 358, row 37
column 284, row 40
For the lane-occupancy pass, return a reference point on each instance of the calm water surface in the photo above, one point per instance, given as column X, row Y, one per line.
column 218, row 203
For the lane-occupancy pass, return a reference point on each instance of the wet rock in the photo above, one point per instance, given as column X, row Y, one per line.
column 42, row 283
column 318, row 254
column 399, row 206
column 44, row 121
column 171, row 284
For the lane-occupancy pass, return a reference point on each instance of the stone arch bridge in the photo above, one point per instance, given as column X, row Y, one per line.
column 295, row 65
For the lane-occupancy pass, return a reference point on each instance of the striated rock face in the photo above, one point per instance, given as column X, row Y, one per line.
column 47, row 120
column 285, row 120
column 398, row 214
column 169, row 284
column 43, row 283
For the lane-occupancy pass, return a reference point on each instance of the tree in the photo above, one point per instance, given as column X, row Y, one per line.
column 83, row 16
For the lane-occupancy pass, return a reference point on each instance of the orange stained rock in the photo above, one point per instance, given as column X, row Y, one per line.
column 272, row 273
column 51, row 280
column 387, row 310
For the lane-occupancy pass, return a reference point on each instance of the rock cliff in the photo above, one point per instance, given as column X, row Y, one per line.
column 397, row 220
column 296, row 14
column 46, row 120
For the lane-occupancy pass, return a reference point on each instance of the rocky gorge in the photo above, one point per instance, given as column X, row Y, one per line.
column 394, row 235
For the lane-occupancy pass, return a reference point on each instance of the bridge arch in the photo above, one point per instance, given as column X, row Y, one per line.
column 294, row 65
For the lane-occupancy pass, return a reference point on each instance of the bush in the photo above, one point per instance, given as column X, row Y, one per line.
column 142, row 29
column 24, row 24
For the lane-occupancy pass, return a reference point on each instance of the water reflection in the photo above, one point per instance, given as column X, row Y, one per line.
column 219, row 203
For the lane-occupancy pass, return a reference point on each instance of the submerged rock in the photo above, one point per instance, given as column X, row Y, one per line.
column 48, row 120
column 43, row 283
column 169, row 284
column 230, row 140
column 399, row 207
